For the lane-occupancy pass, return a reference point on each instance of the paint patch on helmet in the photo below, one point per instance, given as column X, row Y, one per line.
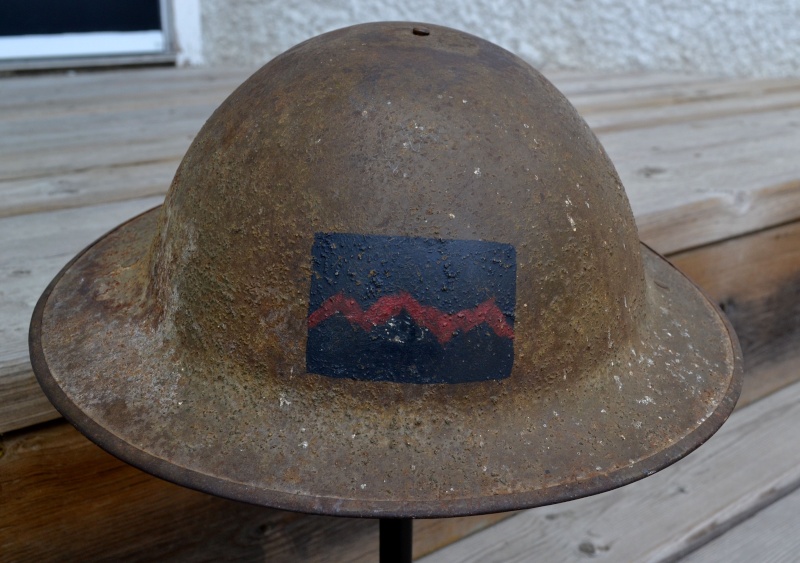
column 411, row 309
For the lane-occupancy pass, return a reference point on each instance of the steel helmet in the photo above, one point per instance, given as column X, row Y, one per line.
column 396, row 274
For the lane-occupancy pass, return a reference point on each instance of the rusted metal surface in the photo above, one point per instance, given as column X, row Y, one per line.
column 178, row 341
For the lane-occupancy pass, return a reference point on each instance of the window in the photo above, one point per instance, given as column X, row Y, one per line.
column 59, row 33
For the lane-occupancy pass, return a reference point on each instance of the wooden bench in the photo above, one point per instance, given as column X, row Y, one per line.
column 712, row 168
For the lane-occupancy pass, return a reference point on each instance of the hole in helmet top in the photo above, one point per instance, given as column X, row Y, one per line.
column 422, row 31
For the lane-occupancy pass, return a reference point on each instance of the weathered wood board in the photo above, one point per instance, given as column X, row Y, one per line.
column 22, row 402
column 710, row 167
column 64, row 499
column 710, row 191
column 756, row 280
column 702, row 182
column 43, row 477
column 26, row 269
column 32, row 253
column 111, row 137
column 770, row 536
column 751, row 462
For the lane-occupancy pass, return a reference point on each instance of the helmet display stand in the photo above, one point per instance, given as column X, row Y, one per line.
column 396, row 540
column 396, row 276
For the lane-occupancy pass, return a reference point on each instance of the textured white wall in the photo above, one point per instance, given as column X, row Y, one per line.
column 717, row 37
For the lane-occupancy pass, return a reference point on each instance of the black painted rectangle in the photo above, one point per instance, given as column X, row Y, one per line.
column 410, row 309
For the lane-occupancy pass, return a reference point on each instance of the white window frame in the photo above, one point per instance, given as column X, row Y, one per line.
column 180, row 41
column 82, row 44
column 187, row 27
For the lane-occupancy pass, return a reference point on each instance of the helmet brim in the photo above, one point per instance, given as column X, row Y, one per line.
column 307, row 443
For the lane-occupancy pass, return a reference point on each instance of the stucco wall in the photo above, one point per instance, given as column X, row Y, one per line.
column 718, row 37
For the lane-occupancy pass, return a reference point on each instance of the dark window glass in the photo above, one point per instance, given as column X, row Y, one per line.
column 38, row 17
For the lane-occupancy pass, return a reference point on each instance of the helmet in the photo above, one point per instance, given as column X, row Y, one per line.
column 395, row 275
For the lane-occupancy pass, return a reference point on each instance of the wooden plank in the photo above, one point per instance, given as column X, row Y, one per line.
column 650, row 188
column 24, row 131
column 53, row 90
column 67, row 88
column 62, row 98
column 162, row 115
column 668, row 514
column 124, row 105
column 116, row 91
column 104, row 184
column 689, row 183
column 670, row 104
column 37, row 116
column 768, row 537
column 714, row 161
column 715, row 201
column 128, row 143
column 34, row 249
column 22, row 402
column 755, row 278
column 756, row 281
column 55, row 485
column 605, row 114
column 614, row 83
column 430, row 535
column 769, row 378
column 678, row 91
column 607, row 120
column 694, row 184
column 41, row 98
column 114, row 152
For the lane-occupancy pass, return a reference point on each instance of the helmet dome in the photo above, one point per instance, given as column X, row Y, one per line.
column 377, row 131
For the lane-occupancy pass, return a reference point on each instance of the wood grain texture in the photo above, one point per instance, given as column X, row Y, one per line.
column 683, row 192
column 601, row 83
column 34, row 249
column 756, row 280
column 87, row 187
column 22, row 402
column 710, row 168
column 667, row 515
column 48, row 94
column 64, row 499
column 96, row 141
column 706, row 181
column 641, row 108
column 770, row 536
column 686, row 187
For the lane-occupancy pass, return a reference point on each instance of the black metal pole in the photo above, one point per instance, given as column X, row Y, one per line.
column 396, row 538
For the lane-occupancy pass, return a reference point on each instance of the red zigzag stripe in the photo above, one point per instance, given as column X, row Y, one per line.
column 442, row 325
